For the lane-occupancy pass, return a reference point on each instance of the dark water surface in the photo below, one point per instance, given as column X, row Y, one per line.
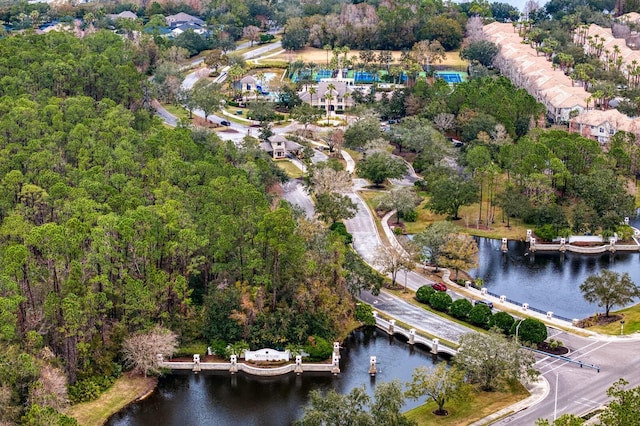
column 548, row 281
column 222, row 399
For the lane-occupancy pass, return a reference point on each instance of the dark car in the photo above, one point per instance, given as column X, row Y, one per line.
column 484, row 302
column 439, row 286
column 225, row 123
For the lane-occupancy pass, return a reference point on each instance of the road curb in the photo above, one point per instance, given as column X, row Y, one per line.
column 539, row 390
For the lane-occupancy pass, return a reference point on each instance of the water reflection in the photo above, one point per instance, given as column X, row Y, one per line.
column 223, row 399
column 547, row 281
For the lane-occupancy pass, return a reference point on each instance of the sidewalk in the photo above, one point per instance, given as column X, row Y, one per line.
column 538, row 390
column 509, row 307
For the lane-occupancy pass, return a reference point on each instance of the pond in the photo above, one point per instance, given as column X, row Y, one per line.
column 548, row 281
column 223, row 399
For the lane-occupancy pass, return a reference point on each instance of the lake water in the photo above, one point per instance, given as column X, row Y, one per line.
column 222, row 399
column 547, row 281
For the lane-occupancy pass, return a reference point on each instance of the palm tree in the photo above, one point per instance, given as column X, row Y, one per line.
column 327, row 49
column 312, row 91
column 327, row 104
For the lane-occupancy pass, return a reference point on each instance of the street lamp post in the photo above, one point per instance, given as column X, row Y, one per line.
column 518, row 328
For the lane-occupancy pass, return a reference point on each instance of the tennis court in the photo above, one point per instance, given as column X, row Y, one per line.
column 323, row 74
column 451, row 77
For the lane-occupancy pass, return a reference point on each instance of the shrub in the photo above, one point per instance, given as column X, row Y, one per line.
column 364, row 314
column 440, row 301
column 502, row 321
column 410, row 216
column 424, row 293
column 555, row 344
column 460, row 309
column 90, row 388
column 219, row 347
column 480, row 315
column 341, row 229
column 397, row 230
column 318, row 348
column 531, row 330
column 546, row 232
column 189, row 350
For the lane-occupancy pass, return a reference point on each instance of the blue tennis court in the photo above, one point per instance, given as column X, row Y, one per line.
column 450, row 76
column 324, row 74
column 365, row 77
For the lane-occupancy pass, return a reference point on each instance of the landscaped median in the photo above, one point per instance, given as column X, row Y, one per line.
column 123, row 392
column 465, row 412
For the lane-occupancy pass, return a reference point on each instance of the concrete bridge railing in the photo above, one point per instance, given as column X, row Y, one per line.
column 413, row 338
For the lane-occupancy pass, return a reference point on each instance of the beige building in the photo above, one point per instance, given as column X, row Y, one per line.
column 602, row 125
column 329, row 95
column 279, row 146
column 520, row 63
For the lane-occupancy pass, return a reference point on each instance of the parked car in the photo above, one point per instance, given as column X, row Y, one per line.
column 484, row 302
column 225, row 123
column 439, row 286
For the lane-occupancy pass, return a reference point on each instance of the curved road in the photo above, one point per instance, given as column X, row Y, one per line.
column 571, row 389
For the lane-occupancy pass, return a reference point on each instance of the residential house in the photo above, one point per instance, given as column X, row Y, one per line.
column 602, row 125
column 330, row 95
column 183, row 18
column 279, row 146
column 186, row 27
column 127, row 14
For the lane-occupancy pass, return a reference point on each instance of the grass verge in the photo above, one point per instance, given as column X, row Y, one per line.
column 631, row 317
column 178, row 111
column 480, row 405
column 123, row 392
column 291, row 170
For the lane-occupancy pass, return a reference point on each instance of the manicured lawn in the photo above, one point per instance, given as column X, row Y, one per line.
column 631, row 322
column 124, row 391
column 178, row 111
column 478, row 406
column 291, row 170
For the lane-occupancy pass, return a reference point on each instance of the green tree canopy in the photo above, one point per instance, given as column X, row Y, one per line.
column 380, row 166
column 608, row 289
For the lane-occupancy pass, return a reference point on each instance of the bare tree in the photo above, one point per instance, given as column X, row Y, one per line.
column 142, row 349
column 474, row 30
column 251, row 33
column 51, row 388
column 327, row 179
column 393, row 259
column 444, row 121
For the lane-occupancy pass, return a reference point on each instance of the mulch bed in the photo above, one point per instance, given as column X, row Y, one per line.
column 560, row 350
column 599, row 319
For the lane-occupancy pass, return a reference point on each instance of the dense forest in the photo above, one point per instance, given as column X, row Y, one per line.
column 112, row 223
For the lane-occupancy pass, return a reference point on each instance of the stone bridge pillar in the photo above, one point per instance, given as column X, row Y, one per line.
column 373, row 370
column 234, row 364
column 612, row 244
column 504, row 246
column 336, row 349
column 298, row 369
column 412, row 336
column 563, row 245
column 434, row 346
column 392, row 325
column 336, row 365
column 532, row 244
column 196, row 363
column 528, row 236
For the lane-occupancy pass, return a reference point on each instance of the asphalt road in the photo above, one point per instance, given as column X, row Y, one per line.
column 416, row 316
column 572, row 389
column 578, row 390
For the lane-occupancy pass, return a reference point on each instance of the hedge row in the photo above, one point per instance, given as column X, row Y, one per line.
column 530, row 330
